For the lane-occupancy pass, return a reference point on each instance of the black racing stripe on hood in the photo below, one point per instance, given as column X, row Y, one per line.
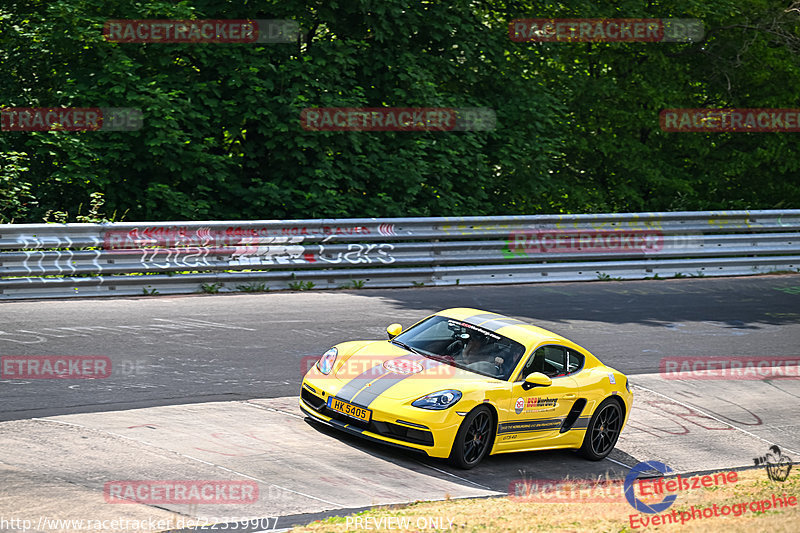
column 368, row 395
column 351, row 388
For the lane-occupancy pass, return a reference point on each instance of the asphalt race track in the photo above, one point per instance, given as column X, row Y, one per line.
column 204, row 387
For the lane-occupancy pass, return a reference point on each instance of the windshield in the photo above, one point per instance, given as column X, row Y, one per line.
column 464, row 345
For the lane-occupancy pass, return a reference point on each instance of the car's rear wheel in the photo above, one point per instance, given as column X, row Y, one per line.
column 474, row 438
column 603, row 431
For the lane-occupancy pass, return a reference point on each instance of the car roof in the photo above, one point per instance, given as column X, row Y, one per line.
column 512, row 328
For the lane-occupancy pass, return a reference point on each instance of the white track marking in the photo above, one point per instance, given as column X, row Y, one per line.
column 617, row 462
column 189, row 457
column 265, row 408
column 457, row 477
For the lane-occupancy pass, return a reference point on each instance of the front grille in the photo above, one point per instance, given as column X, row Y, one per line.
column 407, row 434
column 311, row 399
column 344, row 418
column 387, row 429
column 321, row 407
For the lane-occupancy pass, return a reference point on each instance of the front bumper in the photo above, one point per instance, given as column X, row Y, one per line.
column 400, row 425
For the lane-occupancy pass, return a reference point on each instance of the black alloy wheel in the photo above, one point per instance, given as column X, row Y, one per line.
column 603, row 431
column 474, row 438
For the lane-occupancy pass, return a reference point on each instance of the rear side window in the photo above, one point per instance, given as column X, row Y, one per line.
column 574, row 361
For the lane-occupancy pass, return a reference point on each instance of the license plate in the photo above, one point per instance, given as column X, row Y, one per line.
column 349, row 409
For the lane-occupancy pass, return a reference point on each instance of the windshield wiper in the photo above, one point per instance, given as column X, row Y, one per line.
column 442, row 358
column 405, row 346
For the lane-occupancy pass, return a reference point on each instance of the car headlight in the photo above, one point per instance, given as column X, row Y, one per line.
column 438, row 400
column 325, row 364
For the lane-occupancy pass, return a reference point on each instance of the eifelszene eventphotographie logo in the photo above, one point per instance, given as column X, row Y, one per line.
column 777, row 464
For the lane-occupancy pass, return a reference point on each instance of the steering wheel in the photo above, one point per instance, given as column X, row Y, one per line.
column 486, row 367
column 454, row 347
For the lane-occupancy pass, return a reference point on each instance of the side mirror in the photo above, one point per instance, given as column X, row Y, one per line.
column 536, row 379
column 393, row 330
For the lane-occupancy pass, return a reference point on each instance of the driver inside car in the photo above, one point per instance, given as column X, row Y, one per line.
column 478, row 349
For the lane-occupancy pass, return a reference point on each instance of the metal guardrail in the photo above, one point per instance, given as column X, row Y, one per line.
column 64, row 260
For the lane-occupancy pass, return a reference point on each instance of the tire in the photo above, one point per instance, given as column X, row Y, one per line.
column 603, row 431
column 474, row 438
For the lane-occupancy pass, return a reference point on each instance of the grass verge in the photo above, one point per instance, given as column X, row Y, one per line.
column 507, row 515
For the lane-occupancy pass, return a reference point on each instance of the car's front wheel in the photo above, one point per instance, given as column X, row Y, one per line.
column 474, row 438
column 603, row 431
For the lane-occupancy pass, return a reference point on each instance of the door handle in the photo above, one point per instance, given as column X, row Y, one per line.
column 569, row 396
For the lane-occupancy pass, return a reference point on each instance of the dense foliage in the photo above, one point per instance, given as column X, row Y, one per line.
column 577, row 123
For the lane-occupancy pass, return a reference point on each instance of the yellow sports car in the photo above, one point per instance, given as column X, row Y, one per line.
column 463, row 383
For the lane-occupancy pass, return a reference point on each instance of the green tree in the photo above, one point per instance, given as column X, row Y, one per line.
column 222, row 135
column 618, row 159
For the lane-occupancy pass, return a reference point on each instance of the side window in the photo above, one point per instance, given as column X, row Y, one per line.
column 574, row 361
column 549, row 360
column 533, row 364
